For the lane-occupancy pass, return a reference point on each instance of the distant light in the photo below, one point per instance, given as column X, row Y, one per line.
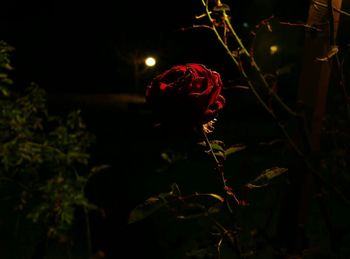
column 273, row 49
column 245, row 25
column 150, row 61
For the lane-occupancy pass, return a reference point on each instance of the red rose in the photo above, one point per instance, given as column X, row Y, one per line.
column 186, row 94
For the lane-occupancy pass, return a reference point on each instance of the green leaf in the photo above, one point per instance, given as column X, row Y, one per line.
column 265, row 178
column 99, row 168
column 147, row 208
column 217, row 146
column 166, row 157
column 198, row 205
column 273, row 172
column 152, row 204
column 220, row 155
column 4, row 91
column 234, row 149
column 171, row 156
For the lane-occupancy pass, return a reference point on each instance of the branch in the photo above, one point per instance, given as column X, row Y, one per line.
column 307, row 26
column 316, row 3
column 220, row 169
column 262, row 80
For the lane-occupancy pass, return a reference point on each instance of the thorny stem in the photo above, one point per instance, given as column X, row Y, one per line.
column 245, row 51
column 307, row 26
column 239, row 41
column 218, row 164
column 251, row 85
column 266, row 107
column 220, row 169
column 229, row 52
column 262, row 78
column 196, row 26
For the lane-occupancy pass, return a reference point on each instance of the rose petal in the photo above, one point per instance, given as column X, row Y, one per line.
column 188, row 92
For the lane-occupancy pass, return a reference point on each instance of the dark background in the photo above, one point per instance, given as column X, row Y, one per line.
column 88, row 47
column 83, row 48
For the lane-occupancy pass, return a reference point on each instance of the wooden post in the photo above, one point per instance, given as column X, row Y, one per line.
column 317, row 65
column 312, row 99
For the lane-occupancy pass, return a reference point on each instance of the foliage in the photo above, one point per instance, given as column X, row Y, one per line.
column 5, row 66
column 44, row 158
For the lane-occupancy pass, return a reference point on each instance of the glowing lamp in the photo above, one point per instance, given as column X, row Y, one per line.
column 150, row 61
column 273, row 49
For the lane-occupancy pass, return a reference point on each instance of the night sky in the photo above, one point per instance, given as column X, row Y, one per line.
column 87, row 47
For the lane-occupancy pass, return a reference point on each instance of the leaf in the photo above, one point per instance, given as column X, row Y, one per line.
column 99, row 168
column 152, row 204
column 216, row 196
column 166, row 157
column 217, row 146
column 220, row 155
column 274, row 172
column 147, row 208
column 4, row 91
column 170, row 156
column 198, row 207
column 234, row 149
column 265, row 178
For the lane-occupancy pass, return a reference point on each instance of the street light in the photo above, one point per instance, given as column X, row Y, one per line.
column 141, row 65
column 150, row 61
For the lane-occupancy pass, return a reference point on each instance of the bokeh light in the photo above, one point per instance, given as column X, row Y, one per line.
column 273, row 49
column 150, row 61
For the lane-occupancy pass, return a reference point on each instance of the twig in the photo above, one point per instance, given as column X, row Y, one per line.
column 307, row 26
column 266, row 107
column 196, row 26
column 229, row 52
column 260, row 75
column 220, row 169
column 231, row 236
column 334, row 8
column 218, row 248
